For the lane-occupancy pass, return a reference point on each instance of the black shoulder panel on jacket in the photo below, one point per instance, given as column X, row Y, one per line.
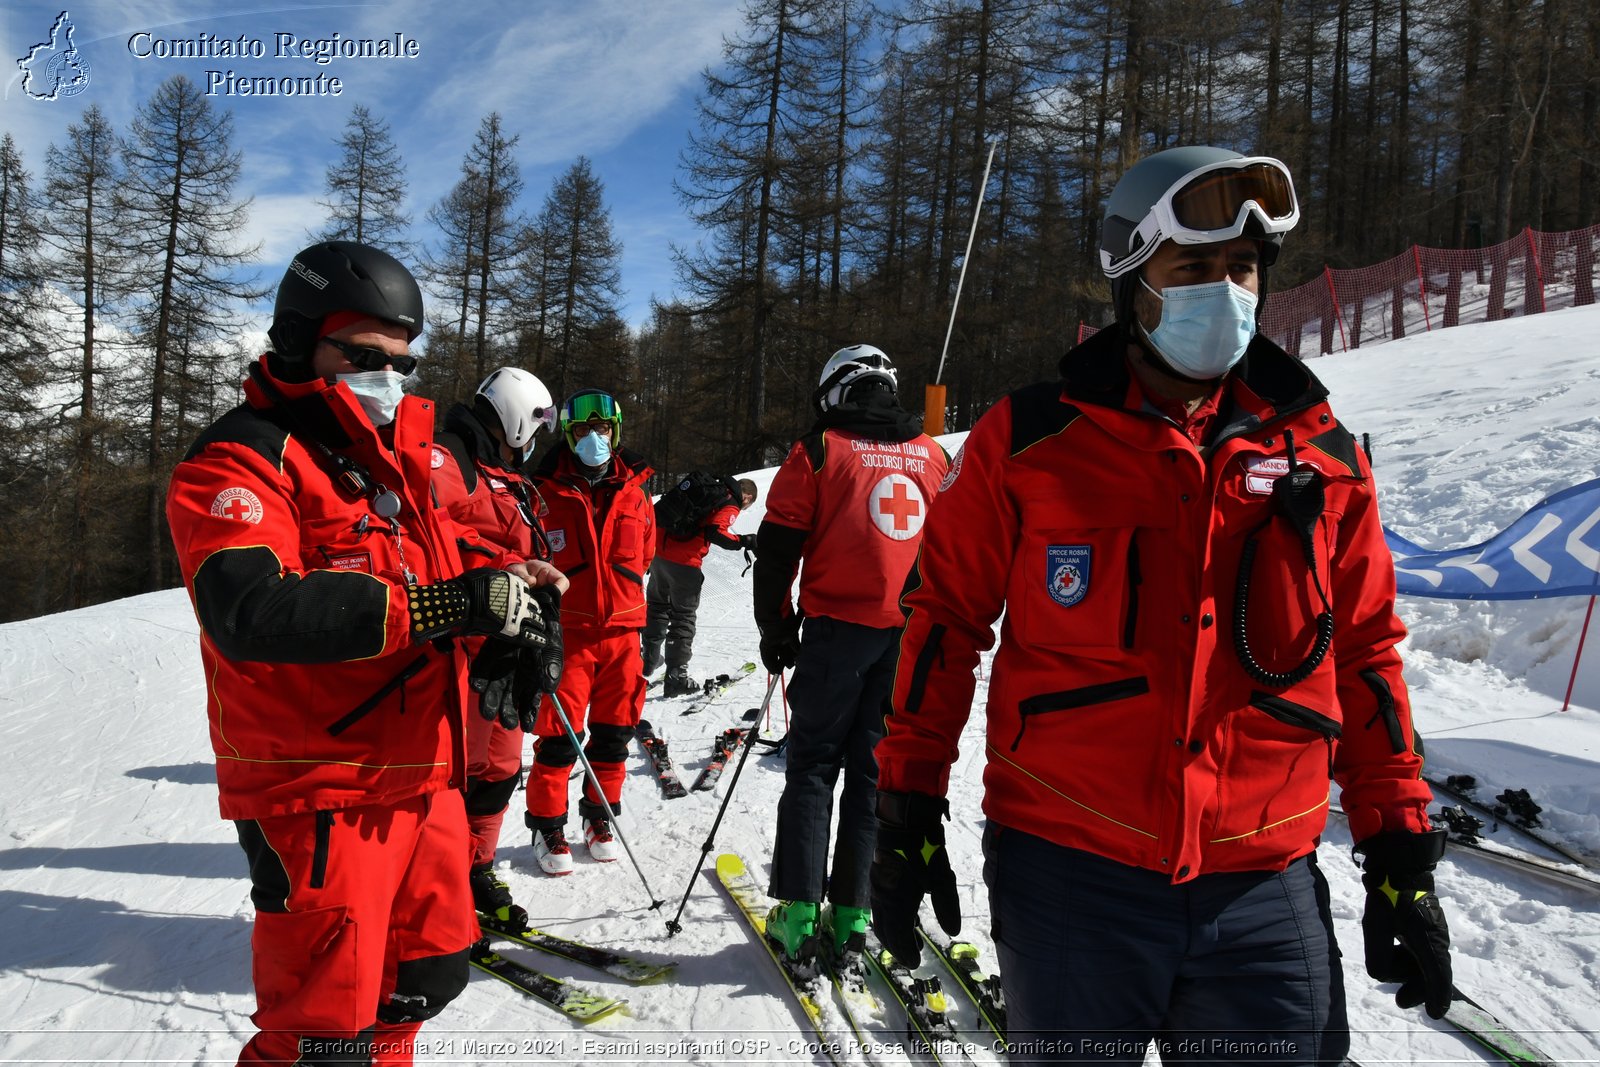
column 1340, row 444
column 246, row 426
column 1037, row 412
column 453, row 443
column 816, row 450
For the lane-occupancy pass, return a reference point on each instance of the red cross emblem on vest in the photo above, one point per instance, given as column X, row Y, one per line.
column 897, row 507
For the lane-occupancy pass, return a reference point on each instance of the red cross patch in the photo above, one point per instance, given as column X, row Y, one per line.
column 237, row 503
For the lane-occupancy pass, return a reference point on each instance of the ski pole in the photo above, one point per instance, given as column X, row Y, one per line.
column 673, row 925
column 594, row 780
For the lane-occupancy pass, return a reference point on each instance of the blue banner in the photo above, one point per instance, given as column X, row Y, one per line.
column 1552, row 550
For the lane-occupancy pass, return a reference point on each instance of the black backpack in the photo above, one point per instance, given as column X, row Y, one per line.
column 684, row 509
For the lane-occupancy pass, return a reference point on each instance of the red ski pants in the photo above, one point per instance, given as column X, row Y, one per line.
column 494, row 759
column 602, row 688
column 363, row 919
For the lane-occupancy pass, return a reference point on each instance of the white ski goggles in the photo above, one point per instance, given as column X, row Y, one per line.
column 1217, row 202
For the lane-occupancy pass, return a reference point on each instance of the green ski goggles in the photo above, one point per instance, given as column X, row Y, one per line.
column 592, row 406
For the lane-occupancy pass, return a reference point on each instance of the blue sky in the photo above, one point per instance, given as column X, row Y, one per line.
column 614, row 80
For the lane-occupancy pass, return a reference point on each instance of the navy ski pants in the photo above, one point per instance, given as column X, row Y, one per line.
column 1098, row 959
column 837, row 696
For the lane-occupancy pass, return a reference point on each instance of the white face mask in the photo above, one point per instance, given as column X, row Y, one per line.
column 1205, row 328
column 379, row 392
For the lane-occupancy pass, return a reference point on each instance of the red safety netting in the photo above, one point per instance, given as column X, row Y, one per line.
column 1431, row 289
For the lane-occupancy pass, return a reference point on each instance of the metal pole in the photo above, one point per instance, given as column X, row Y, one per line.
column 976, row 213
column 594, row 780
column 673, row 925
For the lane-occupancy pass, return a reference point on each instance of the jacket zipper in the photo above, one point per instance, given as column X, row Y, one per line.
column 1135, row 579
column 363, row 709
column 1385, row 711
column 1291, row 714
column 1081, row 697
column 319, row 851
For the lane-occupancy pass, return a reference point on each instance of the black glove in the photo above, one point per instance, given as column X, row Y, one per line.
column 780, row 644
column 481, row 601
column 539, row 669
column 1403, row 926
column 491, row 676
column 747, row 542
column 510, row 674
column 910, row 862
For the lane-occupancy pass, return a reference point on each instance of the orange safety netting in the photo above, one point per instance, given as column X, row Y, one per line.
column 1430, row 289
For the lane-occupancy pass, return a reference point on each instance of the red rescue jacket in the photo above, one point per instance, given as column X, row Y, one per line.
column 1119, row 718
column 602, row 537
column 316, row 696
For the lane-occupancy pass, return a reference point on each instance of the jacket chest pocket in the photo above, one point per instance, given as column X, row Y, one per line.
column 1080, row 586
column 627, row 544
column 343, row 542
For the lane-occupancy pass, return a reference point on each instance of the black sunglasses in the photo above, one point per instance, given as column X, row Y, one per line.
column 370, row 359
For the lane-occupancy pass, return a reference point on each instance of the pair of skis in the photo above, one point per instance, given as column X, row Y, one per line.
column 571, row 999
column 666, row 772
column 1515, row 810
column 722, row 746
column 930, row 1025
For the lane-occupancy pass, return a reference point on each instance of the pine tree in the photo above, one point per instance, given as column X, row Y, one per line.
column 26, row 460
column 741, row 167
column 578, row 278
column 366, row 187
column 20, row 369
column 181, row 218
column 474, row 263
column 82, row 229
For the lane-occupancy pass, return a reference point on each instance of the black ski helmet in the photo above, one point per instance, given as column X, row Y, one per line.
column 1254, row 195
column 336, row 276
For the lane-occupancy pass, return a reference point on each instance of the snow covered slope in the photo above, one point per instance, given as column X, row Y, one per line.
column 124, row 911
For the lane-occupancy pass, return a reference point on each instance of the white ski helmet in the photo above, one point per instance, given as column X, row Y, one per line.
column 522, row 404
column 849, row 370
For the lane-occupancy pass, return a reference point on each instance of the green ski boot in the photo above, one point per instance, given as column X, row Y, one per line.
column 792, row 926
column 846, row 929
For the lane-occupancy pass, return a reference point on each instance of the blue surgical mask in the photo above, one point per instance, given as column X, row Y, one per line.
column 379, row 391
column 1204, row 329
column 593, row 450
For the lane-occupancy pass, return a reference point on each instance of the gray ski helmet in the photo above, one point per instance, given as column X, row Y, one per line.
column 336, row 276
column 1193, row 195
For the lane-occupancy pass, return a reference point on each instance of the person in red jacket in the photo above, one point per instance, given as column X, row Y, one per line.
column 677, row 576
column 601, row 529
column 476, row 477
column 850, row 499
column 329, row 592
column 1199, row 630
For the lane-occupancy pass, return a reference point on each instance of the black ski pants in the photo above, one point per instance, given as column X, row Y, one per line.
column 1098, row 959
column 837, row 696
column 673, row 601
